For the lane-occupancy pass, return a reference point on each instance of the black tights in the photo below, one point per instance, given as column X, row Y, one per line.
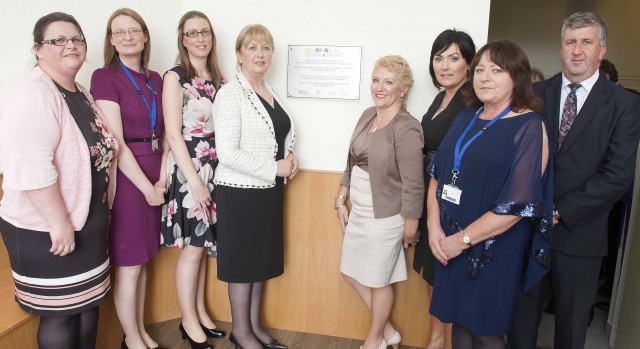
column 462, row 338
column 77, row 331
column 245, row 302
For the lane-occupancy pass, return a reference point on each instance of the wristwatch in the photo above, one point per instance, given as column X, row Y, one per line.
column 466, row 239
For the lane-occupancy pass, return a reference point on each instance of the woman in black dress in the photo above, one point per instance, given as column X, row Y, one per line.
column 254, row 136
column 451, row 53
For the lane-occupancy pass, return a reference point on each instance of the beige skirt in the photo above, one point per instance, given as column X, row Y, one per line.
column 372, row 252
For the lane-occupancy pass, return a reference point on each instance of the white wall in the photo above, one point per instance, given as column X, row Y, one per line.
column 324, row 126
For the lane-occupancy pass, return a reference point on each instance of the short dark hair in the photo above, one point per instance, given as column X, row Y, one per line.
column 43, row 23
column 443, row 41
column 610, row 69
column 510, row 57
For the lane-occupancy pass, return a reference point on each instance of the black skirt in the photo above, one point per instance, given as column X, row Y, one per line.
column 250, row 233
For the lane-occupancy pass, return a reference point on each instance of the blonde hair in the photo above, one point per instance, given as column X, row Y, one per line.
column 400, row 66
column 253, row 31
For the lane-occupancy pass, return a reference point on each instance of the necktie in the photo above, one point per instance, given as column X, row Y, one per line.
column 568, row 113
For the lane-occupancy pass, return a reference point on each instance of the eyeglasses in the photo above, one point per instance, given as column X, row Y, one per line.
column 64, row 41
column 122, row 32
column 194, row 33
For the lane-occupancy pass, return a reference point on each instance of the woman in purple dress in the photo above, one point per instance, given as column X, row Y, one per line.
column 129, row 94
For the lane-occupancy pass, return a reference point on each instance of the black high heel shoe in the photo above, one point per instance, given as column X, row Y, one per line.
column 274, row 345
column 194, row 344
column 213, row 332
column 232, row 339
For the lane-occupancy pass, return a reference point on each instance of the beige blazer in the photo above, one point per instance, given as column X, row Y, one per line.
column 396, row 167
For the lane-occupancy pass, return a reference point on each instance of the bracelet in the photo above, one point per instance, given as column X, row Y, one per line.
column 343, row 200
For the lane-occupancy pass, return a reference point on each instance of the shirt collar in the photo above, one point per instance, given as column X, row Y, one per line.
column 587, row 84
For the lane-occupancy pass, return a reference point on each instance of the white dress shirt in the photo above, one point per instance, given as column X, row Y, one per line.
column 581, row 93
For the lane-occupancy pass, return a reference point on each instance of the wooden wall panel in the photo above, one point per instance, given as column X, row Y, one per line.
column 23, row 336
column 311, row 296
column 4, row 257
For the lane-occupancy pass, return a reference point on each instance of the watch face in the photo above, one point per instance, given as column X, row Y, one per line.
column 466, row 239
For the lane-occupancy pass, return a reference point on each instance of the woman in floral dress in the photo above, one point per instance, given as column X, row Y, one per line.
column 188, row 217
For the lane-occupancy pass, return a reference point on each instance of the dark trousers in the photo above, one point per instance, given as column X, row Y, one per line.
column 574, row 283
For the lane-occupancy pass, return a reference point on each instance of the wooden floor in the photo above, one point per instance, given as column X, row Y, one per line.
column 167, row 335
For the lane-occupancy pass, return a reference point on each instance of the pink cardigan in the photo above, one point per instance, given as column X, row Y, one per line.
column 41, row 144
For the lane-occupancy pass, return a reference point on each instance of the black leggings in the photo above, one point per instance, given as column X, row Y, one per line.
column 462, row 338
column 76, row 331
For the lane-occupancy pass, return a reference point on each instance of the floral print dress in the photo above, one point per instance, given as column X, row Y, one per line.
column 183, row 222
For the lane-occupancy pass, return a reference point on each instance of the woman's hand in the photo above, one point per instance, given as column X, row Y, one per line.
column 62, row 240
column 201, row 196
column 343, row 217
column 411, row 233
column 161, row 184
column 436, row 235
column 154, row 196
column 285, row 167
column 294, row 164
column 451, row 246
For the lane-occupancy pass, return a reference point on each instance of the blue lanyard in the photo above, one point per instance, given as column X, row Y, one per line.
column 459, row 153
column 152, row 110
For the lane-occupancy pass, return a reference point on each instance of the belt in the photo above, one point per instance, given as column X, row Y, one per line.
column 137, row 140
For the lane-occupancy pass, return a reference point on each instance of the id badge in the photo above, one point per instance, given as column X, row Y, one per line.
column 451, row 194
column 154, row 143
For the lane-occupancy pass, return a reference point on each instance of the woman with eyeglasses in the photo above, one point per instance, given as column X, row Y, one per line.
column 129, row 94
column 58, row 183
column 189, row 216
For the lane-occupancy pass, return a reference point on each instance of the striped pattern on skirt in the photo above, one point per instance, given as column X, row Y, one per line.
column 48, row 285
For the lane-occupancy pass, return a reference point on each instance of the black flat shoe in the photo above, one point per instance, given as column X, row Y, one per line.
column 194, row 344
column 232, row 339
column 213, row 332
column 274, row 345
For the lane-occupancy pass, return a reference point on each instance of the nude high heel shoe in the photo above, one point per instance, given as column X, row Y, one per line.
column 394, row 340
column 382, row 345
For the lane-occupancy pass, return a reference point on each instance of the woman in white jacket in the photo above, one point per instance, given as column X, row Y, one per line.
column 255, row 136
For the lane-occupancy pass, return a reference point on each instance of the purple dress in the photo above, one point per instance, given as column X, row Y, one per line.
column 134, row 232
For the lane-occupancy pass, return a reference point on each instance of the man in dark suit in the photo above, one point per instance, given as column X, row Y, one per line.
column 595, row 127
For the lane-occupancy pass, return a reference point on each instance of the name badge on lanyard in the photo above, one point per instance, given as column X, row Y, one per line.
column 450, row 192
column 151, row 110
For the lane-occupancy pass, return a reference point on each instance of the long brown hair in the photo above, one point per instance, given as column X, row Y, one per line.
column 111, row 55
column 183, row 54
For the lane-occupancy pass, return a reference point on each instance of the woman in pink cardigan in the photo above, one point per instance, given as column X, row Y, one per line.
column 58, row 183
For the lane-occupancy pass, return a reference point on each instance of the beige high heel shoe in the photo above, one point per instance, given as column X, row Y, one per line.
column 383, row 344
column 394, row 340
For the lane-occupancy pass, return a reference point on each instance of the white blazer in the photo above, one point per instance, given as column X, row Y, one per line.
column 245, row 138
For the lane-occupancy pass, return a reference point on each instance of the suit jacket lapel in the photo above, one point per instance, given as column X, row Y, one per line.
column 552, row 104
column 364, row 122
column 586, row 114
